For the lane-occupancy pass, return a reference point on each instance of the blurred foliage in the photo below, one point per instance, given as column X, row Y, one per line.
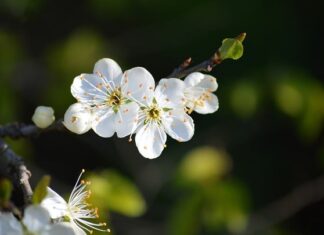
column 245, row 98
column 112, row 191
column 5, row 192
column 10, row 54
column 300, row 96
column 210, row 204
column 204, row 164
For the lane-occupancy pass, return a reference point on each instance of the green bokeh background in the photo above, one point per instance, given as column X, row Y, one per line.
column 265, row 140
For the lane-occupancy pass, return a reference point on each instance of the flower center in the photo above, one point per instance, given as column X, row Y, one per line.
column 115, row 98
column 154, row 113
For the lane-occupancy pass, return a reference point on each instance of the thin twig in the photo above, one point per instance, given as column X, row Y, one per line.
column 278, row 211
column 13, row 167
column 205, row 66
column 21, row 130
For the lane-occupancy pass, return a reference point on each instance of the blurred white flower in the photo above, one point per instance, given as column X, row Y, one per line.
column 105, row 92
column 198, row 93
column 43, row 116
column 36, row 221
column 161, row 112
column 76, row 211
column 78, row 118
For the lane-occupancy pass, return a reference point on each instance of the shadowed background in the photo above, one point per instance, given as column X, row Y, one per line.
column 265, row 140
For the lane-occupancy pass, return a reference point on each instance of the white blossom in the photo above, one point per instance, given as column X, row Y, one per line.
column 78, row 118
column 104, row 92
column 161, row 111
column 76, row 210
column 36, row 221
column 198, row 93
column 43, row 116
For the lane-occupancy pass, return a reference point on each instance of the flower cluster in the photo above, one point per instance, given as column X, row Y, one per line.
column 55, row 216
column 126, row 103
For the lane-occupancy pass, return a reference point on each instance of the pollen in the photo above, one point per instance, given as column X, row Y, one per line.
column 74, row 119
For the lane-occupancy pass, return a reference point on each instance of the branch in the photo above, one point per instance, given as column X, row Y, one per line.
column 286, row 207
column 21, row 130
column 231, row 48
column 205, row 66
column 13, row 168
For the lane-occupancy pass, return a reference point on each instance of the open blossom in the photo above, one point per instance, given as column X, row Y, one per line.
column 105, row 92
column 76, row 210
column 198, row 93
column 36, row 221
column 161, row 112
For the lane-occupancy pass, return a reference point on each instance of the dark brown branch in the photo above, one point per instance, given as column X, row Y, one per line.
column 205, row 66
column 13, row 168
column 21, row 130
column 286, row 207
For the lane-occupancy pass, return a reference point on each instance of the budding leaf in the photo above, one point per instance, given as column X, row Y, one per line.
column 5, row 191
column 232, row 48
column 41, row 189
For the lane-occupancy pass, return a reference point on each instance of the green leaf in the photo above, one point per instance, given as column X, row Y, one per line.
column 112, row 191
column 41, row 189
column 5, row 191
column 232, row 48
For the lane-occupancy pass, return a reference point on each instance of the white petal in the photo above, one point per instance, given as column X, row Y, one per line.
column 208, row 105
column 170, row 93
column 138, row 85
column 209, row 83
column 54, row 204
column 36, row 218
column 59, row 229
column 89, row 88
column 77, row 230
column 193, row 79
column 9, row 225
column 109, row 69
column 126, row 119
column 104, row 125
column 78, row 118
column 178, row 125
column 150, row 140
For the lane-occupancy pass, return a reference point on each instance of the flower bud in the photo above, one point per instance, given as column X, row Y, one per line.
column 43, row 116
column 78, row 118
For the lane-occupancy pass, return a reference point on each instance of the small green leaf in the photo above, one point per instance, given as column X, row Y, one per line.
column 232, row 48
column 5, row 191
column 41, row 189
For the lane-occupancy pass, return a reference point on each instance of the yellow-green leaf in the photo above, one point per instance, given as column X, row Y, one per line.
column 41, row 189
column 232, row 48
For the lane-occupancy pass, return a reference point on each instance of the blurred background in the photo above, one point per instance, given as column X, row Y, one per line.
column 265, row 141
